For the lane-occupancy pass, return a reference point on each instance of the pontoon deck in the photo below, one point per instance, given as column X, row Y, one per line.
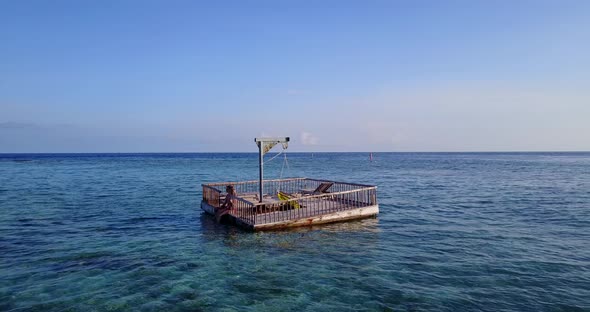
column 302, row 201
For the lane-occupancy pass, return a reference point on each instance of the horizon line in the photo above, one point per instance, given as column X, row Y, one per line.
column 301, row 152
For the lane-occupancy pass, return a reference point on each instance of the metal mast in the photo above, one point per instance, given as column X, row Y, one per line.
column 264, row 145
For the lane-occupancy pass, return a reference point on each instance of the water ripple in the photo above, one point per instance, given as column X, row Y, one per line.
column 457, row 232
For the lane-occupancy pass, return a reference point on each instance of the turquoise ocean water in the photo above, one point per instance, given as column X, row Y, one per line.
column 456, row 232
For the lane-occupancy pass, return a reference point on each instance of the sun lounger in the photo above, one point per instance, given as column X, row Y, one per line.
column 322, row 188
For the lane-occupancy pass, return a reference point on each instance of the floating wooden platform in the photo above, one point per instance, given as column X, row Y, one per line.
column 340, row 202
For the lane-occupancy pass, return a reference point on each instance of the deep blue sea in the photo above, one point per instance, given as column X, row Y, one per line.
column 456, row 232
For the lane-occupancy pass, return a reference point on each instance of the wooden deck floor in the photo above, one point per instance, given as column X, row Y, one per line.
column 314, row 208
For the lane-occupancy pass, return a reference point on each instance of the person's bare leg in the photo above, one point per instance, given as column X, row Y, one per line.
column 220, row 213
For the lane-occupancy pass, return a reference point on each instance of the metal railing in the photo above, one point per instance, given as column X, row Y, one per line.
column 315, row 205
column 290, row 185
column 341, row 196
column 211, row 195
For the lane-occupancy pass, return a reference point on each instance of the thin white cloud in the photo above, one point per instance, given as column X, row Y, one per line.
column 472, row 117
column 309, row 139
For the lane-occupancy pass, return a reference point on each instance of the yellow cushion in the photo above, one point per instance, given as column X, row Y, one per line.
column 283, row 196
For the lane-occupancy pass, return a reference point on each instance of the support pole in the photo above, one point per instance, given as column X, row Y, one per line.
column 260, row 142
column 260, row 170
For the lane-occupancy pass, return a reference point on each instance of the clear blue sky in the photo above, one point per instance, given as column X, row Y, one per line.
column 192, row 76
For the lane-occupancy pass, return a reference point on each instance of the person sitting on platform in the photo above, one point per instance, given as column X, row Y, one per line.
column 228, row 203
